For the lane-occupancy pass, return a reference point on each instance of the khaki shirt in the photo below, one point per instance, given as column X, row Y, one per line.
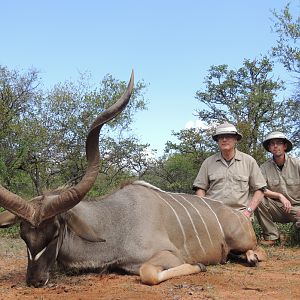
column 232, row 184
column 287, row 181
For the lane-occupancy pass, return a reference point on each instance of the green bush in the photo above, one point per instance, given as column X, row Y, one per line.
column 289, row 233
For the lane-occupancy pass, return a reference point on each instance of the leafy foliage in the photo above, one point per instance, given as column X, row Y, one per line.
column 19, row 96
column 289, row 233
column 174, row 173
column 287, row 49
column 177, row 169
column 247, row 98
column 43, row 133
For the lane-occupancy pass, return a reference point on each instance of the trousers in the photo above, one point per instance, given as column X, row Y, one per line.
column 270, row 211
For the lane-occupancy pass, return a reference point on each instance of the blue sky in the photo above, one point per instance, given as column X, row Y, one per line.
column 170, row 45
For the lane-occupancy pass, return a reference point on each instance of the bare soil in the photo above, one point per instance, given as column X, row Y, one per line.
column 278, row 278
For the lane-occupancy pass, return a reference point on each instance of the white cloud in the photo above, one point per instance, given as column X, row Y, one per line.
column 189, row 125
column 195, row 124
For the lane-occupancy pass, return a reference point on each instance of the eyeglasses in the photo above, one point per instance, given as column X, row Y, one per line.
column 278, row 143
column 226, row 136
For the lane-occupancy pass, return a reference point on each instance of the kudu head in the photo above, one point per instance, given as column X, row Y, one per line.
column 43, row 220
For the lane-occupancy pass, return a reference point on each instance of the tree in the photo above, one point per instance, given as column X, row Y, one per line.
column 177, row 168
column 67, row 114
column 172, row 173
column 194, row 141
column 45, row 142
column 287, row 49
column 247, row 98
column 19, row 95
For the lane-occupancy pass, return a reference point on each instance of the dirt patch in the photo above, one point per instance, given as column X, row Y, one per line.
column 278, row 278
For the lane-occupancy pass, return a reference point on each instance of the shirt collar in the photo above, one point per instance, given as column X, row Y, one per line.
column 285, row 160
column 237, row 156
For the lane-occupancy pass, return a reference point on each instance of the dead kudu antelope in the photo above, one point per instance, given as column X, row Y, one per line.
column 139, row 229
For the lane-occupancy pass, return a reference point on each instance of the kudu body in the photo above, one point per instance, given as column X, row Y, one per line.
column 139, row 229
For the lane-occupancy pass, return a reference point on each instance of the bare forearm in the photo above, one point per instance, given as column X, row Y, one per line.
column 256, row 199
column 280, row 197
column 271, row 194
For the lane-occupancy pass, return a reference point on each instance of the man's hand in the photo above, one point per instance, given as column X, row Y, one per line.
column 200, row 193
column 286, row 203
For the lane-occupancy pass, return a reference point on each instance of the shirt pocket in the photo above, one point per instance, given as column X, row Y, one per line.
column 216, row 181
column 293, row 187
column 241, row 183
column 273, row 185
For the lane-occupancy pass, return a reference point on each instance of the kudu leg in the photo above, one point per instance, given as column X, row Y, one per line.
column 252, row 257
column 165, row 265
column 260, row 253
column 256, row 255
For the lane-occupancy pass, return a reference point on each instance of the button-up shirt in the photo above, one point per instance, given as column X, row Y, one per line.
column 285, row 181
column 232, row 183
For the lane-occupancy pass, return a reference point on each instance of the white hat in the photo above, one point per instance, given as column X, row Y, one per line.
column 226, row 128
column 277, row 135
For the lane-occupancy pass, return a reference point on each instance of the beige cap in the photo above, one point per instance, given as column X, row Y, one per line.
column 226, row 128
column 277, row 135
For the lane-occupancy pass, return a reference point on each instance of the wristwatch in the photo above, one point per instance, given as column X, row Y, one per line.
column 249, row 210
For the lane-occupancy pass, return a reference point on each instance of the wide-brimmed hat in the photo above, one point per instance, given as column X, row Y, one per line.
column 226, row 128
column 277, row 135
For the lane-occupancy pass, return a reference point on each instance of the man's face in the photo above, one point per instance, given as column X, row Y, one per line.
column 277, row 147
column 227, row 142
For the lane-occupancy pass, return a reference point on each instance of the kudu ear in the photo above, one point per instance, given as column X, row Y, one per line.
column 81, row 228
column 8, row 219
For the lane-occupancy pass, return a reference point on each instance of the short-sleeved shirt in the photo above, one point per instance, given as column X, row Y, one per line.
column 286, row 181
column 232, row 183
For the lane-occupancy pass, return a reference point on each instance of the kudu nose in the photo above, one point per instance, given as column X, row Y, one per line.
column 37, row 282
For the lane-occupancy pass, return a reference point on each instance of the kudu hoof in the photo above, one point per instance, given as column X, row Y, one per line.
column 202, row 267
column 254, row 261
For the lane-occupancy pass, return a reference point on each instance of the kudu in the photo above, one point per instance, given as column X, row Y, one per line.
column 139, row 229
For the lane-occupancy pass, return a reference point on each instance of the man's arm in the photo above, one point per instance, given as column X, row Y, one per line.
column 201, row 182
column 255, row 201
column 278, row 196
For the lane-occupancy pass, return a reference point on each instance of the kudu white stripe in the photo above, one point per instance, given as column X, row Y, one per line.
column 241, row 216
column 146, row 184
column 190, row 217
column 37, row 256
column 221, row 229
column 41, row 252
column 200, row 216
column 178, row 220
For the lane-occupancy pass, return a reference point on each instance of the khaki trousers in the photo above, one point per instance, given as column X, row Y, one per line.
column 270, row 211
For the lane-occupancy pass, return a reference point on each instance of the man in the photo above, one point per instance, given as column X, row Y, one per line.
column 282, row 197
column 231, row 176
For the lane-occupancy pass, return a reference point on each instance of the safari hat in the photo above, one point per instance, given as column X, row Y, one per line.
column 226, row 128
column 277, row 135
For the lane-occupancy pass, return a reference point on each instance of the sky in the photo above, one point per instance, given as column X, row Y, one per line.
column 170, row 45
